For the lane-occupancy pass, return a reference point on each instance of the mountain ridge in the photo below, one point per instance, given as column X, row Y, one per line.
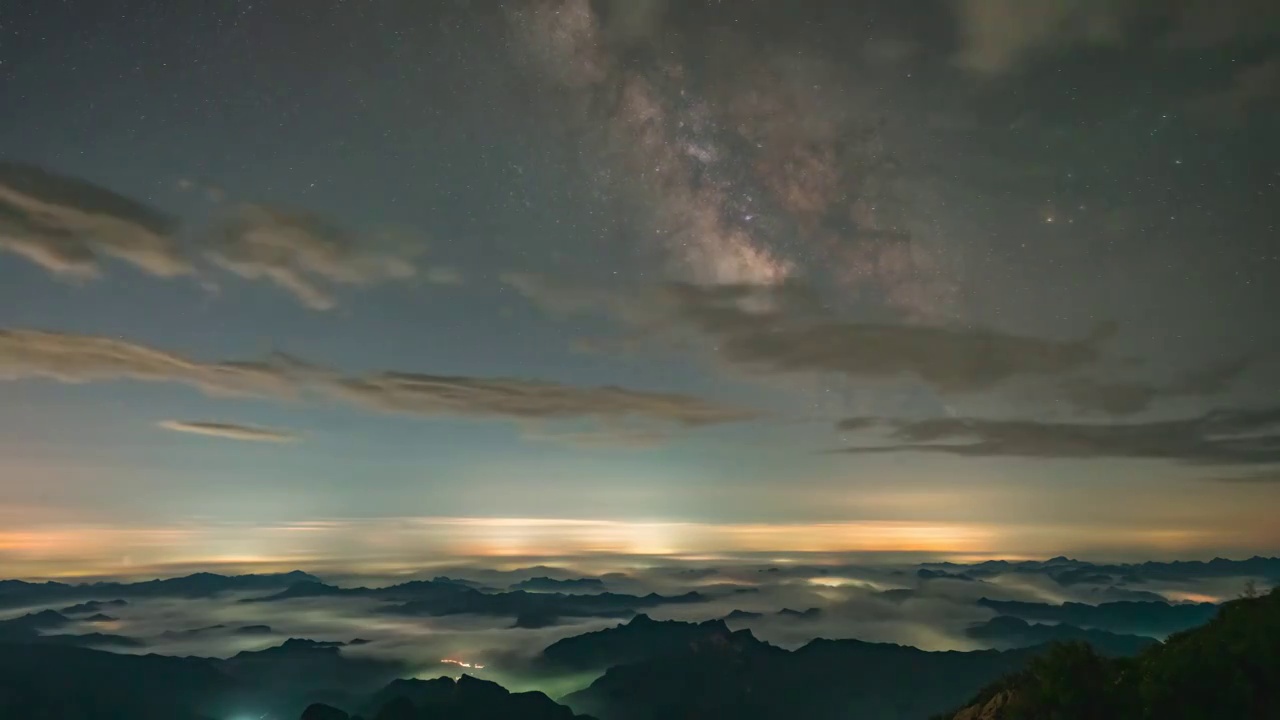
column 1228, row 668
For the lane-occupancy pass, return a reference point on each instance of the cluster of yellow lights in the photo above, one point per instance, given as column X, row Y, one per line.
column 459, row 663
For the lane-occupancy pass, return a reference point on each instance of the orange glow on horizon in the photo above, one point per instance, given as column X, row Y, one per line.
column 396, row 545
column 1182, row 596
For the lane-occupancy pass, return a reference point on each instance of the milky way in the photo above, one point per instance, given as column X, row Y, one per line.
column 749, row 173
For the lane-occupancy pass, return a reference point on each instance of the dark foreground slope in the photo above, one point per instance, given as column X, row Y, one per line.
column 51, row 682
column 467, row 698
column 1227, row 670
column 68, row 683
column 734, row 675
column 56, row 682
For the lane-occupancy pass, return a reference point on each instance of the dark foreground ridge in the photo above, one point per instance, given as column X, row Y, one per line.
column 467, row 698
column 53, row 681
column 1230, row 668
column 725, row 674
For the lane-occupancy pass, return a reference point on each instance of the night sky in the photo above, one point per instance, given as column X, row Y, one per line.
column 379, row 283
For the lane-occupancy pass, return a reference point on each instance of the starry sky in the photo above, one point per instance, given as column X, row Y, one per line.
column 359, row 283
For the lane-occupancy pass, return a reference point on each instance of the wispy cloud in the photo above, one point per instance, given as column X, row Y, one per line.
column 1253, row 86
column 1262, row 478
column 998, row 36
column 1227, row 437
column 72, row 358
column 788, row 328
column 69, row 226
column 1126, row 397
column 303, row 254
column 229, row 431
column 444, row 275
column 523, row 399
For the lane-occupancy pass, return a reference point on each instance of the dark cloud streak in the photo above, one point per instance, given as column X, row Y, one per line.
column 523, row 399
column 802, row 338
column 788, row 329
column 1127, row 397
column 229, row 431
column 1227, row 437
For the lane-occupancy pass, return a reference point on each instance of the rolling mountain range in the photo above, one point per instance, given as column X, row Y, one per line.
column 17, row 593
column 1155, row 619
column 434, row 598
column 642, row 668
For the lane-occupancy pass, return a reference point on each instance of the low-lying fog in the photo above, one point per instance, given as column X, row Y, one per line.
column 923, row 606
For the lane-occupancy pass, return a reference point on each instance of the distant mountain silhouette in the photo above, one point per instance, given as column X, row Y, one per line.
column 32, row 629
column 90, row 640
column 551, row 584
column 430, row 598
column 315, row 588
column 727, row 588
column 742, row 615
column 1100, row 595
column 446, row 580
column 1155, row 619
column 297, row 647
column 43, row 620
column 809, row 614
column 640, row 639
column 1067, row 571
column 1113, row 593
column 192, row 631
column 93, row 606
column 16, row 593
column 100, row 617
column 1010, row 632
column 927, row 574
column 520, row 602
column 1229, row 668
column 214, row 629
